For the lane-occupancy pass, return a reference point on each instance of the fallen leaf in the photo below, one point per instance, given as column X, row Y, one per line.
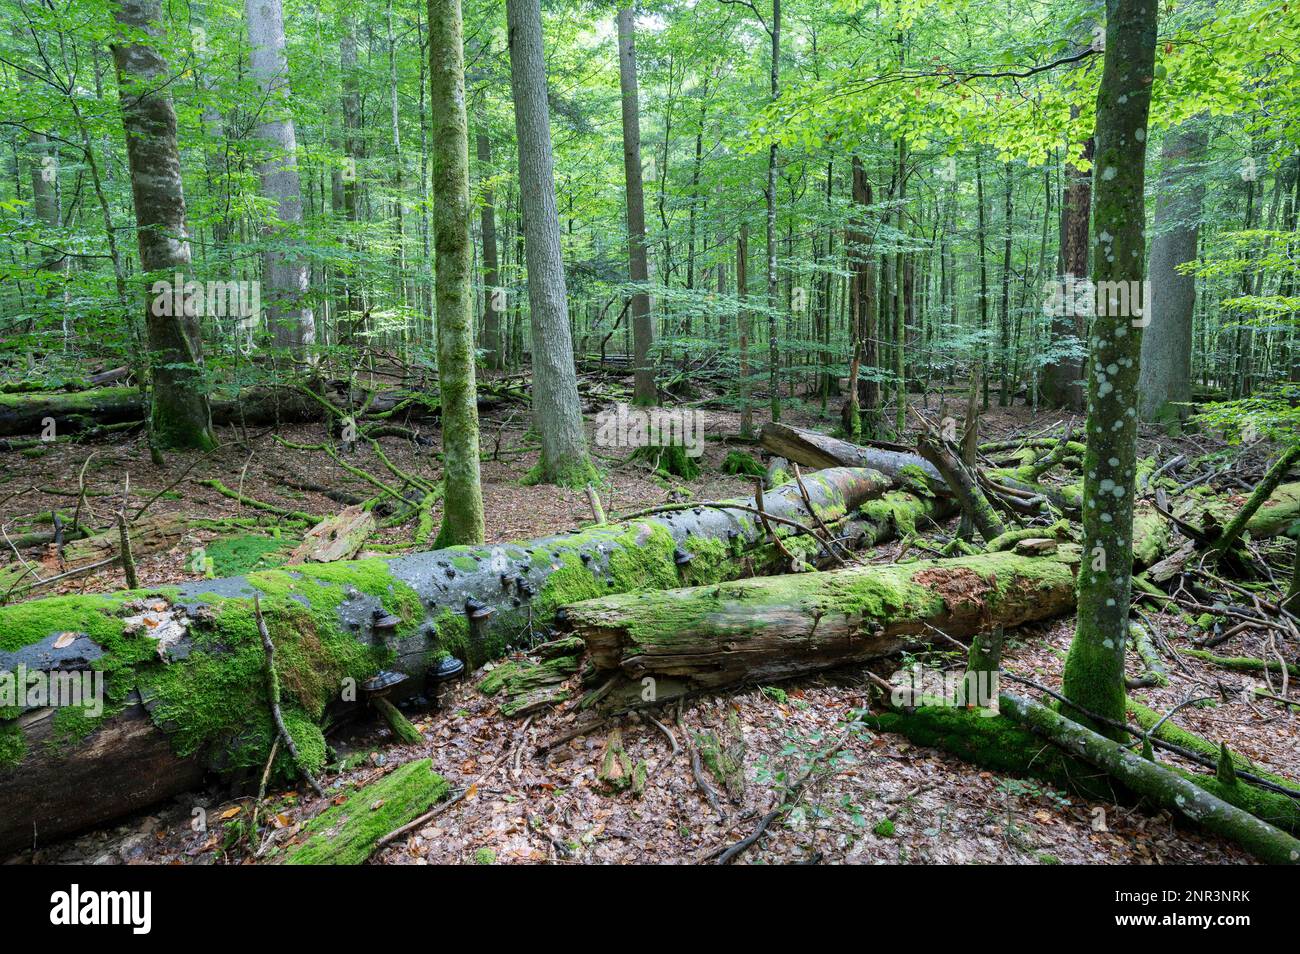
column 232, row 812
column 65, row 639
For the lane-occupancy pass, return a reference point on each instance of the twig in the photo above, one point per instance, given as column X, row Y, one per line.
column 273, row 691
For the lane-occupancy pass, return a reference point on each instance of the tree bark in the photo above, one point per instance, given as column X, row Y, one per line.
column 492, row 344
column 1165, row 381
column 1094, row 670
column 784, row 626
column 286, row 274
column 179, row 413
column 462, row 520
column 203, row 688
column 643, row 388
column 557, row 410
column 818, row 450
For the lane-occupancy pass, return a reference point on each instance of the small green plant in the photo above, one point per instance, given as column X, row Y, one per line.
column 485, row 856
column 884, row 828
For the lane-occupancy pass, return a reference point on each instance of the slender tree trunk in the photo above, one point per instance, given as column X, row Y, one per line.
column 492, row 344
column 643, row 389
column 557, row 412
column 773, row 351
column 1166, row 377
column 1062, row 381
column 462, row 520
column 1094, row 670
column 743, row 328
column 179, row 414
column 1004, row 312
column 286, row 274
column 900, row 301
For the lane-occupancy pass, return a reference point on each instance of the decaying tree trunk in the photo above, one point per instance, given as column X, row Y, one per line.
column 778, row 627
column 191, row 656
column 819, row 450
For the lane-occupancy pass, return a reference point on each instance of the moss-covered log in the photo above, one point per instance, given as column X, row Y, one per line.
column 1161, row 787
column 347, row 832
column 784, row 626
column 191, row 655
column 812, row 449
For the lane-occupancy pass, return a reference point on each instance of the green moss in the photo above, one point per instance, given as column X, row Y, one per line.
column 884, row 828
column 235, row 556
column 896, row 509
column 997, row 744
column 13, row 744
column 1169, row 732
column 346, row 833
column 485, row 856
column 740, row 464
column 574, row 474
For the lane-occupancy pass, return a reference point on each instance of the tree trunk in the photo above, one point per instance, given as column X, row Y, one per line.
column 287, row 275
column 1094, row 670
column 1165, row 380
column 462, row 520
column 643, row 390
column 773, row 350
column 492, row 343
column 557, row 411
column 784, row 626
column 192, row 657
column 179, row 415
column 744, row 324
column 818, row 450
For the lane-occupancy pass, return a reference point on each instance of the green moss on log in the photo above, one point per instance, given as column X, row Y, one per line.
column 346, row 834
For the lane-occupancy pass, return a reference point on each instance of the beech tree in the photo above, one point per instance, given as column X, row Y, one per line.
column 557, row 413
column 462, row 520
column 179, row 410
column 1094, row 670
column 288, row 314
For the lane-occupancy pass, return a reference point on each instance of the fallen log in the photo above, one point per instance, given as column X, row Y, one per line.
column 1029, row 739
column 771, row 628
column 812, row 449
column 191, row 657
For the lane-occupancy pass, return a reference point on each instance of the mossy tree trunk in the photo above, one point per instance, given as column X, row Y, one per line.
column 1094, row 670
column 557, row 410
column 179, row 410
column 197, row 698
column 783, row 626
column 462, row 518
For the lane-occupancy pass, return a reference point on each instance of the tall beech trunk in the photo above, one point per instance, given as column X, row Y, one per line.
column 462, row 518
column 1165, row 381
column 1094, row 670
column 863, row 317
column 493, row 346
column 643, row 388
column 197, row 699
column 286, row 273
column 179, row 412
column 769, row 195
column 557, row 411
column 744, row 326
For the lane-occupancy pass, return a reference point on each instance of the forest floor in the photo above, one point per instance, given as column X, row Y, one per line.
column 884, row 800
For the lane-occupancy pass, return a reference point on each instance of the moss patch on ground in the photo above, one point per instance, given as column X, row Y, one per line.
column 235, row 556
